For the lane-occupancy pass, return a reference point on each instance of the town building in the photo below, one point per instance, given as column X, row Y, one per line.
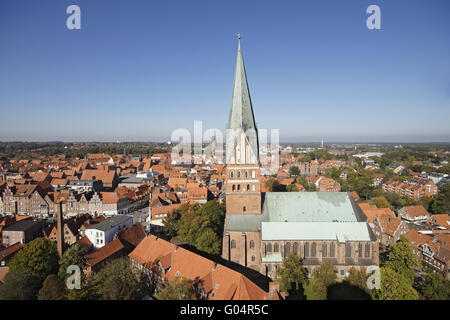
column 102, row 233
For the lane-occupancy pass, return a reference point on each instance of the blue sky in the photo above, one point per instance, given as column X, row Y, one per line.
column 137, row 70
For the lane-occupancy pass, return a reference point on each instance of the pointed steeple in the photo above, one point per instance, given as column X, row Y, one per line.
column 241, row 114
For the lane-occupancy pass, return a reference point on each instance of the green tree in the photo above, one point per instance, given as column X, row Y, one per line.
column 116, row 281
column 177, row 289
column 434, row 287
column 358, row 278
column 294, row 171
column 442, row 202
column 316, row 290
column 53, row 289
column 19, row 286
column 292, row 188
column 171, row 221
column 394, row 286
column 380, row 202
column 72, row 256
column 208, row 241
column 401, row 259
column 292, row 273
column 322, row 277
column 36, row 259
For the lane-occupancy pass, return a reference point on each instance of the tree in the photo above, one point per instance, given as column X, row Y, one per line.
column 401, row 259
column 292, row 273
column 292, row 188
column 177, row 289
column 36, row 259
column 394, row 286
column 73, row 256
column 322, row 277
column 380, row 202
column 171, row 221
column 442, row 202
column 116, row 281
column 53, row 289
column 434, row 287
column 208, row 241
column 294, row 171
column 358, row 278
column 18, row 286
column 316, row 290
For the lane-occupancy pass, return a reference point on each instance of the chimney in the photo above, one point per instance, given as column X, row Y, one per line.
column 59, row 228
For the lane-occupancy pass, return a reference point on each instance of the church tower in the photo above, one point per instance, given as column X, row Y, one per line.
column 243, row 191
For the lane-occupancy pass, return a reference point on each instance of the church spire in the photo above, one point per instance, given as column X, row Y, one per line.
column 241, row 114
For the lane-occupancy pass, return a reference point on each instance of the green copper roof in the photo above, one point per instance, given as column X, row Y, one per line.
column 241, row 113
column 299, row 207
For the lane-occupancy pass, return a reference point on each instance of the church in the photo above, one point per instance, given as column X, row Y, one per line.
column 262, row 228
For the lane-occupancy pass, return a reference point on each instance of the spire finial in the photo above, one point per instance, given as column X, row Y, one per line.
column 239, row 36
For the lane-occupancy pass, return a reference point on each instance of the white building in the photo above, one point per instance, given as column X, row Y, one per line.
column 103, row 232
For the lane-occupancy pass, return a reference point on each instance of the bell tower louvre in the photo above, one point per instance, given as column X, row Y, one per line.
column 243, row 192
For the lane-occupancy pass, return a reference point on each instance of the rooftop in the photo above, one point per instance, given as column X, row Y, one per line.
column 111, row 222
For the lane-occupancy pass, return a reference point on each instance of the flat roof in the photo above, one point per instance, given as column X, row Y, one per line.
column 111, row 222
column 21, row 225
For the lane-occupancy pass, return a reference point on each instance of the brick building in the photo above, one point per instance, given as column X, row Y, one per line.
column 261, row 228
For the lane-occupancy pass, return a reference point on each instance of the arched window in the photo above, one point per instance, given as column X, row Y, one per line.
column 231, row 174
column 239, row 187
column 244, row 209
column 246, row 174
column 233, row 244
column 239, row 174
column 324, row 250
column 360, row 250
column 306, row 249
column 367, row 251
column 233, row 188
column 287, row 248
column 248, row 187
column 253, row 174
column 332, row 250
column 252, row 244
column 313, row 249
column 348, row 250
column 295, row 248
column 269, row 247
column 253, row 188
column 275, row 247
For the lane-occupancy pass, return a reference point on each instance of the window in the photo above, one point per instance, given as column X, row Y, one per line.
column 332, row 249
column 253, row 174
column 306, row 249
column 233, row 244
column 253, row 258
column 348, row 250
column 324, row 250
column 231, row 174
column 239, row 187
column 367, row 251
column 239, row 174
column 313, row 249
column 233, row 188
column 244, row 209
column 287, row 248
column 342, row 272
column 252, row 244
column 269, row 247
column 248, row 187
column 253, row 188
column 360, row 250
column 295, row 248
column 246, row 174
column 275, row 247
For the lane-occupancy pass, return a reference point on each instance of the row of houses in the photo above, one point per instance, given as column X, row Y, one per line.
column 414, row 188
